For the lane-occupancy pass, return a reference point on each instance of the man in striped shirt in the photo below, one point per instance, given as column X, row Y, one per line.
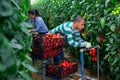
column 72, row 30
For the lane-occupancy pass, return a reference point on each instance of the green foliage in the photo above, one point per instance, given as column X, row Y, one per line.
column 14, row 40
column 99, row 22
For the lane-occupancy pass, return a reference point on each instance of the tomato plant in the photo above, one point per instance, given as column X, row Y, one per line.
column 15, row 40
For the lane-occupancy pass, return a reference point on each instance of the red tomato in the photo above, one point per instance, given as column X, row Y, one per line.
column 101, row 38
column 94, row 58
column 92, row 51
column 117, row 29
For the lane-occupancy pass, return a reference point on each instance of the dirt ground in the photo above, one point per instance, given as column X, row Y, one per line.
column 75, row 76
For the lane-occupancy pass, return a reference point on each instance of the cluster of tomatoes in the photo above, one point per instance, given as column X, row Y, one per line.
column 53, row 42
column 53, row 35
column 62, row 69
column 116, row 10
column 93, row 54
column 48, row 45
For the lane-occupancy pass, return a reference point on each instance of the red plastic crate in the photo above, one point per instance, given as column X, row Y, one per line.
column 45, row 46
column 63, row 69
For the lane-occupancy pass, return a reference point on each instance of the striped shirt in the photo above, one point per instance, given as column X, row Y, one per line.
column 73, row 36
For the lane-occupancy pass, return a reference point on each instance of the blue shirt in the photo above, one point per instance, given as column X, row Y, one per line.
column 39, row 25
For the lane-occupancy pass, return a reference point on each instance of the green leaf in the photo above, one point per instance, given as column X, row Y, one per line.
column 18, row 62
column 102, row 22
column 118, row 20
column 106, row 3
column 98, row 39
column 14, row 2
column 28, row 57
column 108, row 48
column 24, row 29
column 29, row 66
column 114, row 36
column 24, row 75
column 2, row 67
column 116, row 59
column 5, row 8
column 106, row 56
column 28, row 25
column 113, row 1
column 113, row 52
column 109, row 58
column 108, row 34
column 73, row 2
column 117, row 69
column 7, row 57
column 15, row 44
column 111, row 40
column 112, row 27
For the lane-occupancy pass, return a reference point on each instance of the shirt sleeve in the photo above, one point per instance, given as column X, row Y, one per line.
column 71, row 41
column 75, row 43
column 38, row 25
column 77, row 36
column 55, row 29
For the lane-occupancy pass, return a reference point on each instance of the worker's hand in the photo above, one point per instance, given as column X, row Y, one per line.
column 88, row 45
column 30, row 31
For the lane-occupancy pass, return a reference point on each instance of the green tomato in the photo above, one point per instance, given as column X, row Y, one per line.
column 115, row 8
column 112, row 12
column 117, row 11
column 119, row 8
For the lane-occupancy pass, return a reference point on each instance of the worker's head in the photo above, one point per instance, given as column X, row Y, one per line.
column 33, row 13
column 78, row 23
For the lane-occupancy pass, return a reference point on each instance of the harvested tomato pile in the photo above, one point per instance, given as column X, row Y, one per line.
column 62, row 69
column 48, row 45
column 53, row 35
column 53, row 40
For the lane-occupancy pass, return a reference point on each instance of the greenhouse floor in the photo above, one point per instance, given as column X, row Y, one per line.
column 89, row 74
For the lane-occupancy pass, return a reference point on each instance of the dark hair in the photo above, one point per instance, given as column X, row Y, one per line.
column 33, row 12
column 78, row 19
